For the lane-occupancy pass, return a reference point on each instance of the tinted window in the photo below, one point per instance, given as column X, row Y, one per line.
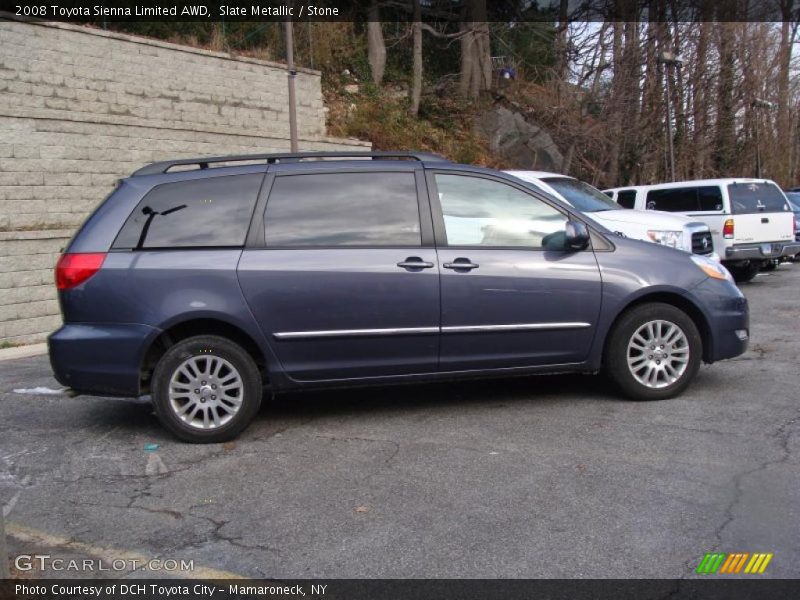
column 201, row 212
column 794, row 200
column 626, row 199
column 480, row 212
column 756, row 197
column 343, row 209
column 581, row 195
column 672, row 200
column 709, row 198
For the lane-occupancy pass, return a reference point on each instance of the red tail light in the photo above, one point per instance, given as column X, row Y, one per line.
column 727, row 229
column 74, row 269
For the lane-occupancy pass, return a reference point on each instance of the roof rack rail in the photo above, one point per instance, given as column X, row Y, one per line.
column 158, row 168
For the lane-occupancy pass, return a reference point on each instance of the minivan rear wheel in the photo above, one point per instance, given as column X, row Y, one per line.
column 206, row 389
column 654, row 352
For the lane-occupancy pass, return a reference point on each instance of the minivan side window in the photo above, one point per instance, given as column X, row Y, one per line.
column 206, row 212
column 343, row 209
column 626, row 198
column 482, row 212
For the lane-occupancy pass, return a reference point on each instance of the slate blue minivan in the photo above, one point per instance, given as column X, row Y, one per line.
column 203, row 281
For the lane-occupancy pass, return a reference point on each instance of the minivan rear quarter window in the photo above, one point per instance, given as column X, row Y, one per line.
column 213, row 212
column 755, row 198
column 343, row 209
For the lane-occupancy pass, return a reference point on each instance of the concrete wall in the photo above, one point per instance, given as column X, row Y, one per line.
column 80, row 108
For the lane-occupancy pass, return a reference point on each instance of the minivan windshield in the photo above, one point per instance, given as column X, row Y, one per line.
column 581, row 195
column 756, row 197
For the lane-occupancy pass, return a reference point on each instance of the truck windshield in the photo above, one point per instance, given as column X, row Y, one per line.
column 756, row 197
column 581, row 195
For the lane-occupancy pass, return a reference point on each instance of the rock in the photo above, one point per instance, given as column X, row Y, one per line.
column 519, row 142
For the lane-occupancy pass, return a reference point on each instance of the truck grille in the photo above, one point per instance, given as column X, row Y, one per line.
column 702, row 243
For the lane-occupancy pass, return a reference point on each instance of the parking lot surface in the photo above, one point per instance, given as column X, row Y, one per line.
column 530, row 477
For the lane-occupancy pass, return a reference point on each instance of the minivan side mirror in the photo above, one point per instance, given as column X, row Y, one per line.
column 577, row 236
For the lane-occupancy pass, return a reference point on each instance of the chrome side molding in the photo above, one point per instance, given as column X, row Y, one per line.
column 307, row 335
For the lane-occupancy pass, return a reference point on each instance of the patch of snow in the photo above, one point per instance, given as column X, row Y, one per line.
column 39, row 391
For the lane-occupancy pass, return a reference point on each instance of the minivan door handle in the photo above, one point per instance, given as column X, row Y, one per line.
column 414, row 262
column 764, row 220
column 461, row 263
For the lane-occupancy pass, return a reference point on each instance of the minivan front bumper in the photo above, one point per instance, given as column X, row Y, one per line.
column 100, row 358
column 728, row 316
column 763, row 251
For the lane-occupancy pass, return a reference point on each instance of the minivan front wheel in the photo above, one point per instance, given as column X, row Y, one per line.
column 206, row 389
column 654, row 352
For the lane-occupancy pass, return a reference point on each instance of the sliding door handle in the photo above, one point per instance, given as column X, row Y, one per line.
column 415, row 262
column 461, row 263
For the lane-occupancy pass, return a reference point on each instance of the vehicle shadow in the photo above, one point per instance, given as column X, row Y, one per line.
column 494, row 392
column 133, row 418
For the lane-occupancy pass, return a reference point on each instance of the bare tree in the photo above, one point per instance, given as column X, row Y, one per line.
column 376, row 46
column 476, row 62
column 416, row 78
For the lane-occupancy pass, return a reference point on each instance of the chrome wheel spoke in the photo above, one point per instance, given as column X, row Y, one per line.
column 185, row 408
column 658, row 354
column 205, row 391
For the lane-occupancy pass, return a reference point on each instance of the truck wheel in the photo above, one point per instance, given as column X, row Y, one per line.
column 770, row 265
column 653, row 352
column 744, row 272
column 206, row 389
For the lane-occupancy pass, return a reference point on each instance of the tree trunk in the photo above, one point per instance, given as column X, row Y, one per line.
column 465, row 79
column 614, row 109
column 699, row 103
column 784, row 119
column 376, row 46
column 562, row 41
column 725, row 141
column 416, row 79
column 476, row 58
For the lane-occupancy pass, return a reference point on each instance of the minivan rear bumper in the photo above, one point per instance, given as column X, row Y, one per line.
column 763, row 251
column 100, row 358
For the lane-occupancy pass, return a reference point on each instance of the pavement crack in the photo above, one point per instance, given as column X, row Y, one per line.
column 216, row 535
column 783, row 435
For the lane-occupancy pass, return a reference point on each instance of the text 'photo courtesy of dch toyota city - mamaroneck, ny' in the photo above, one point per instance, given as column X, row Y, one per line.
column 400, row 299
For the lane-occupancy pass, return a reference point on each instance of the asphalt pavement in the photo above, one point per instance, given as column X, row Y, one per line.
column 530, row 477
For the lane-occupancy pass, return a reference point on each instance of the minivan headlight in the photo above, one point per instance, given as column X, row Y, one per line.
column 712, row 268
column 673, row 239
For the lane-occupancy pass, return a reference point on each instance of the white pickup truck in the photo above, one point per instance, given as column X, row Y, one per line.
column 652, row 226
column 750, row 219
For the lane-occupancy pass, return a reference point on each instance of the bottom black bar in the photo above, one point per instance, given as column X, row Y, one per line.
column 396, row 589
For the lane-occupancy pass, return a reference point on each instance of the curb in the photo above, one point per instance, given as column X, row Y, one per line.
column 23, row 351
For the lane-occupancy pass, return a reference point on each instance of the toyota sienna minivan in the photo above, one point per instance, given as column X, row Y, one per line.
column 201, row 282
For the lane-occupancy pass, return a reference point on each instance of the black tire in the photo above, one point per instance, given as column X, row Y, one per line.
column 218, row 350
column 742, row 273
column 769, row 265
column 617, row 351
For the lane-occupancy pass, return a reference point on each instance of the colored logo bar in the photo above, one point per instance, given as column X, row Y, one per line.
column 733, row 563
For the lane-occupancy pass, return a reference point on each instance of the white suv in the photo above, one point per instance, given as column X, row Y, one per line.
column 660, row 227
column 750, row 219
